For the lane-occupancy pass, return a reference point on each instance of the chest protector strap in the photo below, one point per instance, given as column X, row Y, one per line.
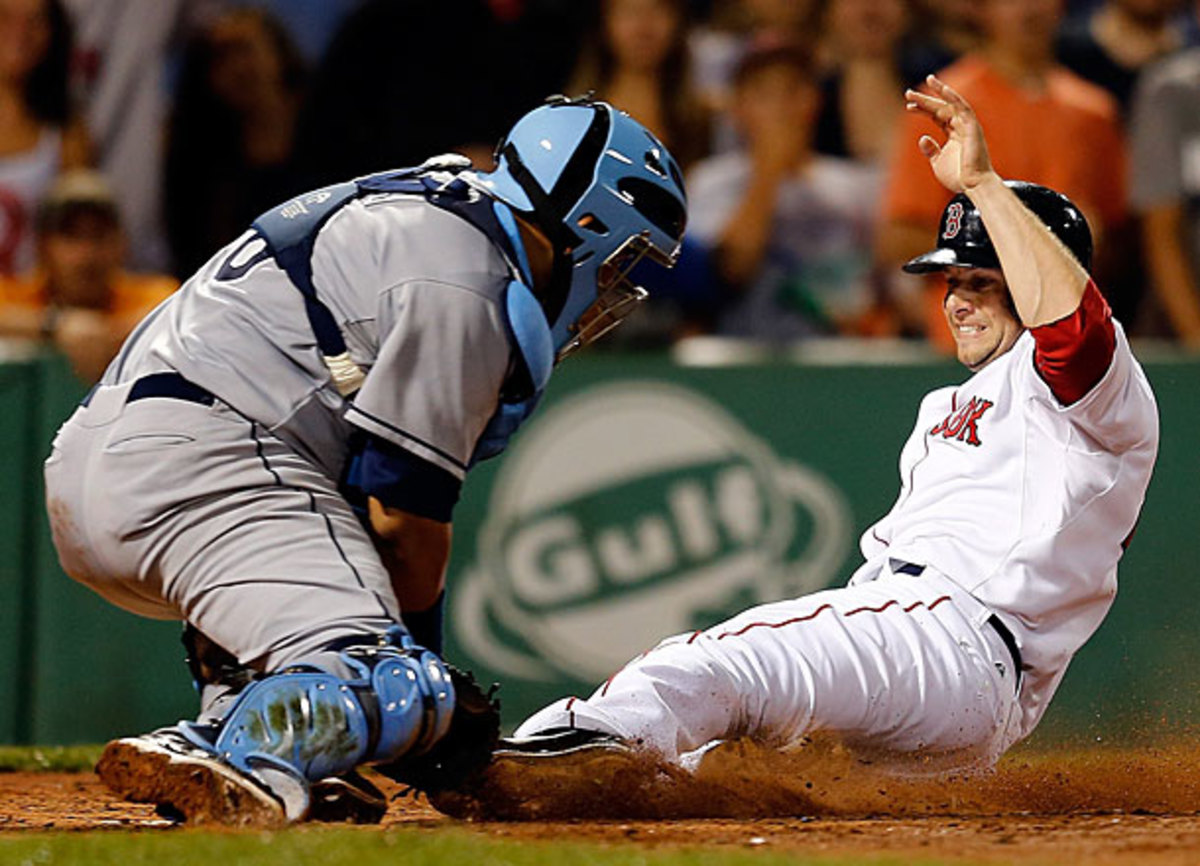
column 290, row 233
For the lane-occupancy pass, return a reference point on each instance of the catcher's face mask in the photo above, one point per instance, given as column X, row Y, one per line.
column 616, row 294
column 591, row 177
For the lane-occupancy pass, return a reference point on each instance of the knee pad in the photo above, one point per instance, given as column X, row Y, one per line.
column 310, row 724
column 413, row 694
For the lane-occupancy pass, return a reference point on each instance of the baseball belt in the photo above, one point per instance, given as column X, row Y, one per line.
column 997, row 625
column 170, row 385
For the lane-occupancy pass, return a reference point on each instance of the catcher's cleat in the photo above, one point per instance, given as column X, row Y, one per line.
column 347, row 799
column 186, row 782
column 561, row 774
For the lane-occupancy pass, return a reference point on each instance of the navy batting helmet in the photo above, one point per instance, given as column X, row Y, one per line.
column 963, row 241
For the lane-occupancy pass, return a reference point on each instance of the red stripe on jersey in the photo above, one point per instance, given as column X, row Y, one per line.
column 741, row 631
column 792, row 621
column 608, row 682
column 1072, row 354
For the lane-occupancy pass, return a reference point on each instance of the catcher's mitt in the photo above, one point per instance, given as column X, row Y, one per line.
column 464, row 751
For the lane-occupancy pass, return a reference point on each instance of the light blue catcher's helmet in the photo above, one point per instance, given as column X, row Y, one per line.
column 606, row 193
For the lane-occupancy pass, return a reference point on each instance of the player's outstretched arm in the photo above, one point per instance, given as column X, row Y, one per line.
column 1045, row 280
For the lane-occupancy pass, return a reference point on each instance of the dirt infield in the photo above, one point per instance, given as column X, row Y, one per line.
column 1107, row 807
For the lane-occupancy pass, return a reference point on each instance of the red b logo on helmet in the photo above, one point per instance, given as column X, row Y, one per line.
column 953, row 220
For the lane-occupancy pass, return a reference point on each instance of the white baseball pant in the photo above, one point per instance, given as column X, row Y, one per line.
column 903, row 665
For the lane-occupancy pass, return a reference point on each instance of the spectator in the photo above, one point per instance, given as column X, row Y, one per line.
column 229, row 156
column 468, row 68
column 782, row 19
column 790, row 230
column 119, row 74
column 1111, row 44
column 717, row 47
column 1165, row 135
column 947, row 28
column 38, row 133
column 79, row 297
column 636, row 57
column 1046, row 125
column 870, row 61
column 311, row 23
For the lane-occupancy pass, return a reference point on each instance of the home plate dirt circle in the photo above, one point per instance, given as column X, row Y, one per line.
column 1106, row 806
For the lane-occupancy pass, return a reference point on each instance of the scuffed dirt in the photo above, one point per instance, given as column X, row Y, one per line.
column 1101, row 807
column 823, row 780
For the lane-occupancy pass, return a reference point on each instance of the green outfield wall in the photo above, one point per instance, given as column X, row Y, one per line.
column 646, row 497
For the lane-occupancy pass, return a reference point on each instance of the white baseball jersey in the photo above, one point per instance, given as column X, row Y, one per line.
column 1024, row 502
column 1018, row 490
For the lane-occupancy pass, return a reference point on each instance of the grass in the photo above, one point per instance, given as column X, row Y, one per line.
column 349, row 847
column 62, row 759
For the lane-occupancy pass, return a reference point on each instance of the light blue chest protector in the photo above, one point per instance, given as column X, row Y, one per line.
column 290, row 232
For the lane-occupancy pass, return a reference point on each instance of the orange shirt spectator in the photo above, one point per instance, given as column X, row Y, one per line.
column 1066, row 136
column 79, row 297
column 131, row 296
column 88, row 336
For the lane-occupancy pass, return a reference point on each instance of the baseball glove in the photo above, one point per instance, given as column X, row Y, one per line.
column 464, row 751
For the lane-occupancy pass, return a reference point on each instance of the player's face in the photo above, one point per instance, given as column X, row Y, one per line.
column 980, row 315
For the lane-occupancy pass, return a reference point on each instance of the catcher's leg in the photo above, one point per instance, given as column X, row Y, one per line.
column 219, row 677
column 172, row 508
column 288, row 730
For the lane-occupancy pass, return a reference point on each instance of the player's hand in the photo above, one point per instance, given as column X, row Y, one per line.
column 962, row 162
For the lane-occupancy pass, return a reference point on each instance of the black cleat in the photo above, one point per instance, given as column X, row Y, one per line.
column 558, row 743
column 560, row 774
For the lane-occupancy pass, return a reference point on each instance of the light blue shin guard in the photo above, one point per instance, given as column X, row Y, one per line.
column 302, row 725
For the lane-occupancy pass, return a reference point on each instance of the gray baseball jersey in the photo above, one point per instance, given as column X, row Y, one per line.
column 417, row 292
column 226, row 512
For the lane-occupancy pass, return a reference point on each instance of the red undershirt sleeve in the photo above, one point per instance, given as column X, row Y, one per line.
column 1073, row 353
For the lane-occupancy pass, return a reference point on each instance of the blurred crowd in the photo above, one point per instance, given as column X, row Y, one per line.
column 137, row 137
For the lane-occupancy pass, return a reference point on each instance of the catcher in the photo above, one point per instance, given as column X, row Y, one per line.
column 276, row 452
